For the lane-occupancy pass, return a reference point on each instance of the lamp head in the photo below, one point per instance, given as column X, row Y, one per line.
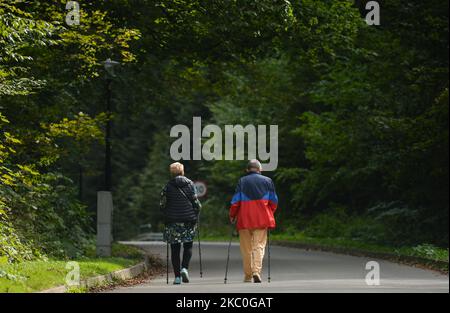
column 109, row 66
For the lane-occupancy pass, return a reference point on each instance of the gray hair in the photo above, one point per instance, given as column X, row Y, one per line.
column 254, row 165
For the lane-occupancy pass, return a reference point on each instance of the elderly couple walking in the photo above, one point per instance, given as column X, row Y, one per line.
column 252, row 209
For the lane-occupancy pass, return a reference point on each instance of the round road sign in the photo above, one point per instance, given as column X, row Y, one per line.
column 201, row 189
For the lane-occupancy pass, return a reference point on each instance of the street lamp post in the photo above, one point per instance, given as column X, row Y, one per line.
column 109, row 67
column 104, row 198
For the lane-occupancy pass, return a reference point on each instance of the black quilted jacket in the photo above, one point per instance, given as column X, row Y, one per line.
column 176, row 207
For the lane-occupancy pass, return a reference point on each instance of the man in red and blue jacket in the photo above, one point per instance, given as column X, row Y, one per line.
column 252, row 208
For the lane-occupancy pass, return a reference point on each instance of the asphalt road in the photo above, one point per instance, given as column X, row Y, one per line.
column 293, row 271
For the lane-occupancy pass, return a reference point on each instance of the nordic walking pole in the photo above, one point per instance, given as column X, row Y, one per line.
column 167, row 262
column 199, row 247
column 228, row 256
column 268, row 242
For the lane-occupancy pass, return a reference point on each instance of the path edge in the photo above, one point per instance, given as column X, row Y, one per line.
column 435, row 265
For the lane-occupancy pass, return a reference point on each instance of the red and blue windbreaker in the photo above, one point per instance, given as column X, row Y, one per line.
column 254, row 202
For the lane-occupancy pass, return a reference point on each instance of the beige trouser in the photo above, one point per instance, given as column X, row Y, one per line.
column 253, row 244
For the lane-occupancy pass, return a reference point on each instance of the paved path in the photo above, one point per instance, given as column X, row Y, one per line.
column 293, row 270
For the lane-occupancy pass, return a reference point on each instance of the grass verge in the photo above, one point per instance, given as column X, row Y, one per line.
column 32, row 276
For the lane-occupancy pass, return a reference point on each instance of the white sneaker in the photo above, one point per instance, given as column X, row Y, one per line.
column 184, row 275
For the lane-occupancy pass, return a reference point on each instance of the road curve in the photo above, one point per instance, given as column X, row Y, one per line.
column 293, row 271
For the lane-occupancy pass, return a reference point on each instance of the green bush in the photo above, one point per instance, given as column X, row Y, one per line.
column 11, row 247
column 48, row 215
column 40, row 213
column 430, row 252
column 339, row 224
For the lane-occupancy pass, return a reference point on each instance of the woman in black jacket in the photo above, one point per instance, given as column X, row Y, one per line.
column 180, row 206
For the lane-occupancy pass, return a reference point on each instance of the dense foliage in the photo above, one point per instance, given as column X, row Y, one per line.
column 362, row 112
column 44, row 133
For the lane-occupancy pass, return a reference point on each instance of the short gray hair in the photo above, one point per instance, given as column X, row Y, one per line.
column 254, row 165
